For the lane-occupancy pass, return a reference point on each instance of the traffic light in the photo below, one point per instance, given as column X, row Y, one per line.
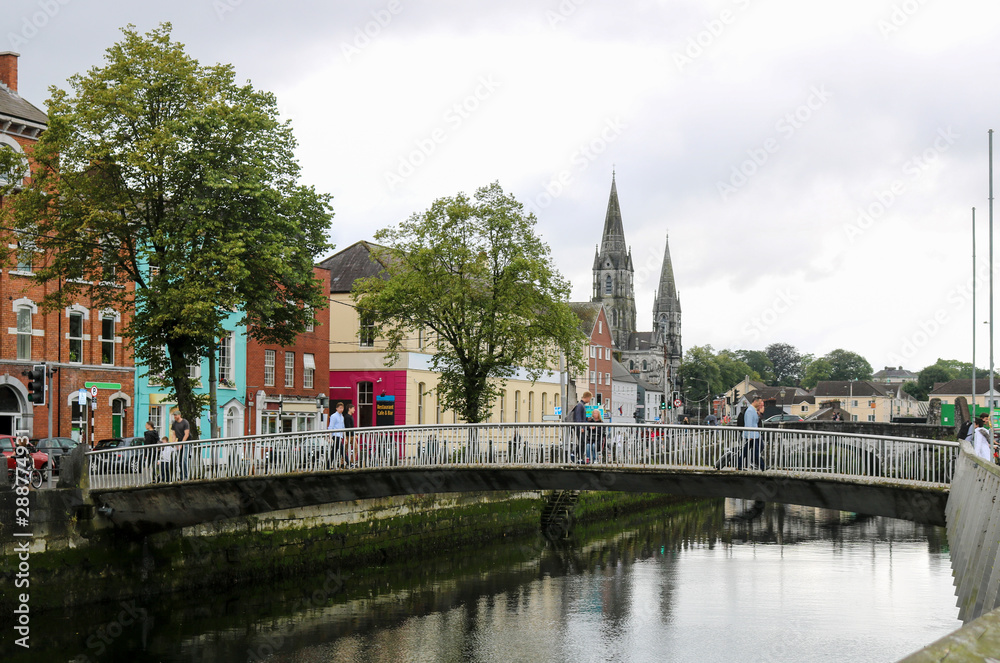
column 36, row 384
column 736, row 395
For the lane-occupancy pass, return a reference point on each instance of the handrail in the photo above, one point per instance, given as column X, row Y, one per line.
column 656, row 446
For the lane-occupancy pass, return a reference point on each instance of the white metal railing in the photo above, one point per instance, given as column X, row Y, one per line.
column 530, row 445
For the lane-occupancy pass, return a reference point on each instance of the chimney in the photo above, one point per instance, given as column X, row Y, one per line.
column 8, row 69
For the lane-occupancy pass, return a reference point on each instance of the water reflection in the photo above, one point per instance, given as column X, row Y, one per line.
column 717, row 580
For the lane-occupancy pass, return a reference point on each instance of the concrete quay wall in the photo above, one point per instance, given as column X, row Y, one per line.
column 973, row 521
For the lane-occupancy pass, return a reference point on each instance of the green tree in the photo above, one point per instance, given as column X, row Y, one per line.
column 700, row 376
column 732, row 370
column 817, row 370
column 178, row 200
column 759, row 362
column 913, row 389
column 846, row 365
column 477, row 275
column 929, row 376
column 787, row 363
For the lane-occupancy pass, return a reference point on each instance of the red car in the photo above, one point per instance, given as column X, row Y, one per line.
column 8, row 445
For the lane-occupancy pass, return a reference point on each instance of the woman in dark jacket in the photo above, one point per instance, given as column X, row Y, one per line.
column 150, row 436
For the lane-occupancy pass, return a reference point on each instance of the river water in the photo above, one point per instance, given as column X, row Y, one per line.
column 714, row 580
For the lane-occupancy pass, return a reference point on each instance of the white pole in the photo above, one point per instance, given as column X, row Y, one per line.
column 973, row 413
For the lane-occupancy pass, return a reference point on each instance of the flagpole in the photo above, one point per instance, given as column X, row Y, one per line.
column 991, row 281
column 973, row 414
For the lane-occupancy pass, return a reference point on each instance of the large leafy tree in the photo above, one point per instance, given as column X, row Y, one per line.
column 759, row 362
column 732, row 369
column 163, row 173
column 818, row 370
column 475, row 273
column 787, row 362
column 846, row 365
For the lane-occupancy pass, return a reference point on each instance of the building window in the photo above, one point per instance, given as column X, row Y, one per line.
column 24, row 332
column 420, row 403
column 517, row 406
column 854, row 403
column 311, row 324
column 268, row 368
column 544, row 403
column 366, row 335
column 607, row 378
column 600, row 326
column 531, row 406
column 76, row 338
column 593, row 351
column 308, row 370
column 503, row 406
column 871, row 417
column 437, row 408
column 643, row 364
column 25, row 255
column 194, row 369
column 420, row 339
column 226, row 360
column 107, row 340
column 607, row 285
column 593, row 378
column 366, row 401
column 289, row 369
column 599, row 377
column 805, row 408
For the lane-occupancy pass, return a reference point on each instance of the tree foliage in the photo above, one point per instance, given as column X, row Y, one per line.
column 787, row 363
column 705, row 374
column 846, row 365
column 818, row 370
column 759, row 362
column 475, row 273
column 163, row 173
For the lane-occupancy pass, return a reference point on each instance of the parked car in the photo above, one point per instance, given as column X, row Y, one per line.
column 55, row 447
column 778, row 418
column 126, row 457
column 8, row 444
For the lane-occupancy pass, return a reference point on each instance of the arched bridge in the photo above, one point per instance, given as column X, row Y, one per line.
column 148, row 488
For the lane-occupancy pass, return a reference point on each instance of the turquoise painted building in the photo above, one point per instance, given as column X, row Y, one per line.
column 152, row 404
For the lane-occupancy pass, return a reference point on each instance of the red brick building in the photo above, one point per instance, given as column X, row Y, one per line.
column 83, row 345
column 594, row 323
column 285, row 383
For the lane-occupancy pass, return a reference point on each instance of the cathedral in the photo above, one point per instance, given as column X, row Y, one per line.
column 654, row 356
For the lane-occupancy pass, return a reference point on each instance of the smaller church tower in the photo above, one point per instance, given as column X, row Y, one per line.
column 667, row 316
column 613, row 273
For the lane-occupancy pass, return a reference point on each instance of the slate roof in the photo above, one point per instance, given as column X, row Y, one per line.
column 588, row 313
column 828, row 388
column 619, row 372
column 13, row 105
column 353, row 263
column 641, row 341
column 963, row 386
column 890, row 372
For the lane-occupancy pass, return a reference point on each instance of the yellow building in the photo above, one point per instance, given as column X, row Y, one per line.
column 405, row 392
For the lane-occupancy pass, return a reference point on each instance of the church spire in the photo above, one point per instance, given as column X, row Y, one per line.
column 668, row 288
column 613, row 239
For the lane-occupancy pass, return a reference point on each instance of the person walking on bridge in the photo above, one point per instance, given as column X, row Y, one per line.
column 752, row 446
column 981, row 441
column 579, row 415
column 337, row 424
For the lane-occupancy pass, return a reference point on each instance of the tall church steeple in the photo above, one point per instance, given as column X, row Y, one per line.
column 613, row 273
column 667, row 313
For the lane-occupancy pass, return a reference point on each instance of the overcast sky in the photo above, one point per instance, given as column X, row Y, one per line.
column 815, row 164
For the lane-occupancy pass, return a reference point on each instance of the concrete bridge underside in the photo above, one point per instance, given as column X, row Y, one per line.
column 170, row 506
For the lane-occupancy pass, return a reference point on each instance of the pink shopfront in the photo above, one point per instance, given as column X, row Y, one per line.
column 379, row 396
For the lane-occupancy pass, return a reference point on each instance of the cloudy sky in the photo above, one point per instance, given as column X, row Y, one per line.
column 815, row 164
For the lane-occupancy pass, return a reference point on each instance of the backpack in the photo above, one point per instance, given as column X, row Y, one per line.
column 741, row 419
column 963, row 430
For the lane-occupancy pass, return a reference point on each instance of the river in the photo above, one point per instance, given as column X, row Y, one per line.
column 714, row 580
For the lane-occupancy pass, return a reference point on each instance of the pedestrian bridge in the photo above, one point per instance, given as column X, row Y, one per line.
column 145, row 489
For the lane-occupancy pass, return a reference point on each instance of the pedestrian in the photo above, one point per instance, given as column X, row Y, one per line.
column 166, row 454
column 349, row 452
column 836, row 415
column 982, row 440
column 965, row 431
column 337, row 424
column 711, row 419
column 579, row 416
column 595, row 438
column 180, row 431
column 752, row 445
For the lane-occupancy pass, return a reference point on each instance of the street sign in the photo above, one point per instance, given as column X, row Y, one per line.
column 557, row 410
column 103, row 385
column 551, row 417
column 93, row 391
column 82, row 397
column 677, row 402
